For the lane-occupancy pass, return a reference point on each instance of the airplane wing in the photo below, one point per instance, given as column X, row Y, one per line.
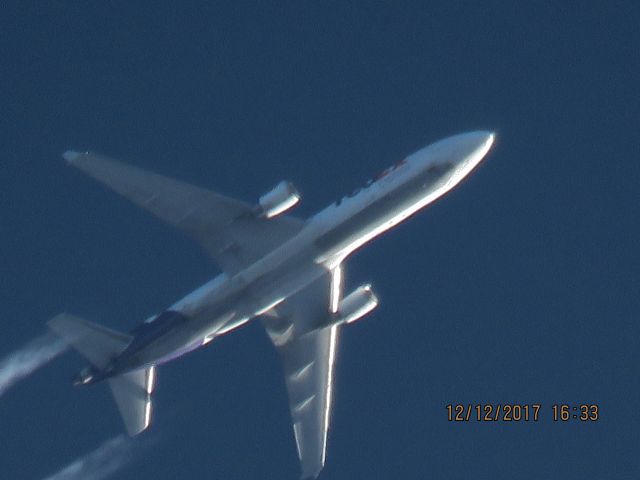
column 308, row 361
column 227, row 228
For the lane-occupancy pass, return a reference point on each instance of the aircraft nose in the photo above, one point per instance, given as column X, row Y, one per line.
column 464, row 152
column 454, row 157
column 467, row 149
column 475, row 145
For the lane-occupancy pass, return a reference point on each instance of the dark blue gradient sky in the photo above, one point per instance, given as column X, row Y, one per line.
column 520, row 286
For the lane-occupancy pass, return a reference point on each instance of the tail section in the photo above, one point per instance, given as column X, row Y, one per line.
column 132, row 392
column 100, row 345
column 96, row 343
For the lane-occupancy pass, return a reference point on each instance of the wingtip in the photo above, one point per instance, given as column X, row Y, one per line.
column 71, row 156
column 309, row 476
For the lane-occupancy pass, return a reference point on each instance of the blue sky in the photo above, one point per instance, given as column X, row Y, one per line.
column 521, row 286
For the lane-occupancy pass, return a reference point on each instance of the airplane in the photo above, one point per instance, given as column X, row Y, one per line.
column 282, row 270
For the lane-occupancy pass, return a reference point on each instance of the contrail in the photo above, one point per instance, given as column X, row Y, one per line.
column 29, row 358
column 99, row 464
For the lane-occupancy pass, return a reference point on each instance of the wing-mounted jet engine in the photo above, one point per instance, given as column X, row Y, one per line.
column 355, row 306
column 278, row 200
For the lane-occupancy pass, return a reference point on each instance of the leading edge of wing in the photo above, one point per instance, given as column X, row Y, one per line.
column 227, row 228
column 308, row 361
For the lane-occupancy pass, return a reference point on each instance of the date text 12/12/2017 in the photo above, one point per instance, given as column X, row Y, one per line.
column 515, row 412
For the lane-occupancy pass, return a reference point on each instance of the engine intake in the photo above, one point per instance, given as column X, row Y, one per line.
column 356, row 305
column 280, row 199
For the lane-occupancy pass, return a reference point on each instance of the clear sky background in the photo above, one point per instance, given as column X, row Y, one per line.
column 520, row 286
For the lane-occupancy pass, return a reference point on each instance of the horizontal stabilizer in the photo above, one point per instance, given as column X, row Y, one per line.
column 132, row 392
column 96, row 343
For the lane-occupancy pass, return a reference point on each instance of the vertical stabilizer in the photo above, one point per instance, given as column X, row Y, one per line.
column 100, row 345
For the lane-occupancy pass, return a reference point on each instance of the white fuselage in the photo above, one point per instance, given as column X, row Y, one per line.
column 328, row 237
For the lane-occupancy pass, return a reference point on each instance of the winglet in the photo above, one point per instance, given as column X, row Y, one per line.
column 71, row 156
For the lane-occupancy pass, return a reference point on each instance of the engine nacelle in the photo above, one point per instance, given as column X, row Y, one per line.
column 280, row 199
column 356, row 305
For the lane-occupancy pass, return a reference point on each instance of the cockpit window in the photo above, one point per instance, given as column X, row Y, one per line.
column 439, row 167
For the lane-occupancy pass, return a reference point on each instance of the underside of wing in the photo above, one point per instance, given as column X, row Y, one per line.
column 228, row 229
column 308, row 361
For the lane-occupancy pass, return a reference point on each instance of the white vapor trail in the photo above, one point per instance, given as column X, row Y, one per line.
column 99, row 464
column 33, row 355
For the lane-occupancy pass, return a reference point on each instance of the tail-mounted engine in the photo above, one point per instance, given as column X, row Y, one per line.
column 280, row 199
